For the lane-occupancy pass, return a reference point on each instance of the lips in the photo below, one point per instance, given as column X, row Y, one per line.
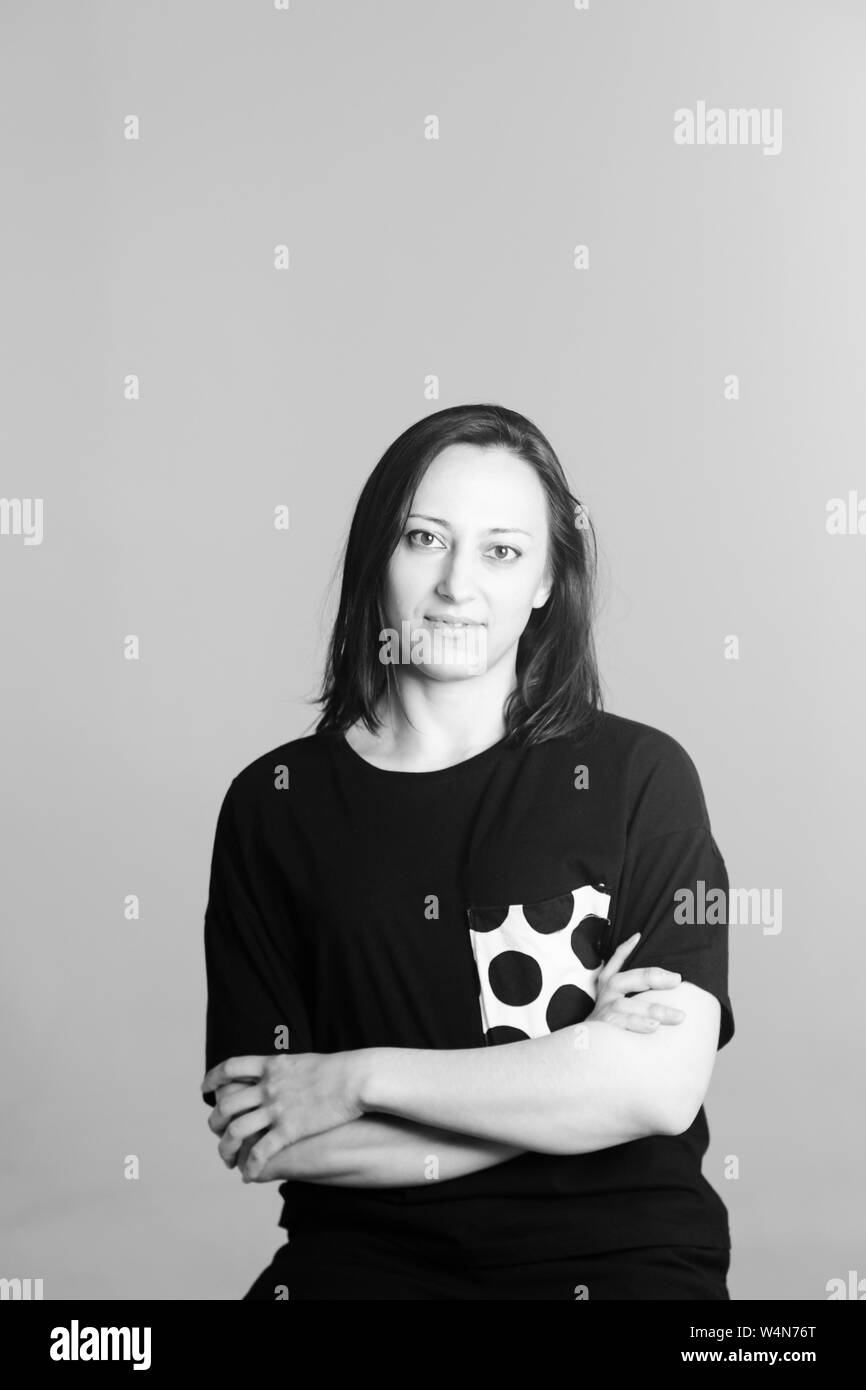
column 452, row 622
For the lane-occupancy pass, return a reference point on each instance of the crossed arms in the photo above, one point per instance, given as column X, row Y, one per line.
column 382, row 1117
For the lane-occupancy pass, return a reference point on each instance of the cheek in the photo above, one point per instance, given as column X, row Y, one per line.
column 514, row 601
column 403, row 583
column 510, row 612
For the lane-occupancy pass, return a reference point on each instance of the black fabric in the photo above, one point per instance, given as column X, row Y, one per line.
column 312, row 1267
column 320, row 918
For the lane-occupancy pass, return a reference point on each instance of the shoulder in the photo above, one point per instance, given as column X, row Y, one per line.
column 297, row 762
column 648, row 749
column 636, row 748
column 653, row 774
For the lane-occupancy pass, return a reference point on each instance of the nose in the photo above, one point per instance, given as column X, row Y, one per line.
column 456, row 582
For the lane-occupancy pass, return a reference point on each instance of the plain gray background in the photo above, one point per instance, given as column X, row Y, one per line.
column 412, row 258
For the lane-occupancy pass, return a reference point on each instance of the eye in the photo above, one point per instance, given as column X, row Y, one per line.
column 515, row 554
column 420, row 545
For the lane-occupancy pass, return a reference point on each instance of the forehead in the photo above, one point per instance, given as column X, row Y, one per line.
column 465, row 477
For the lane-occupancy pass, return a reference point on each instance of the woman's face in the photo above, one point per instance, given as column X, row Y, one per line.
column 471, row 564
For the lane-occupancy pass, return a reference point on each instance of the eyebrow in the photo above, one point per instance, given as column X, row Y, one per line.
column 491, row 530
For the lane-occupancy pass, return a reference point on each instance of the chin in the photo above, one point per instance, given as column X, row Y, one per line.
column 449, row 671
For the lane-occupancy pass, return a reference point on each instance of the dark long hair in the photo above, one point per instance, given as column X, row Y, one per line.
column 557, row 691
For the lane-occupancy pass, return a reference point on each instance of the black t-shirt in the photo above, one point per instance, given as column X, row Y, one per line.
column 461, row 908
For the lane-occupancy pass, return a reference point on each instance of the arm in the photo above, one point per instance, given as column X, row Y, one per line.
column 593, row 1085
column 562, row 1102
column 576, row 1090
column 382, row 1151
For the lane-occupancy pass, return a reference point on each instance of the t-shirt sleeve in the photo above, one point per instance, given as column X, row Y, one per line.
column 673, row 887
column 253, row 963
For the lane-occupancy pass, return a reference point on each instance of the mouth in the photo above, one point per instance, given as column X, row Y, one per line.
column 451, row 622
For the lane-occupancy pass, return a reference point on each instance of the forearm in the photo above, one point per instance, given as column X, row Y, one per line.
column 576, row 1090
column 385, row 1151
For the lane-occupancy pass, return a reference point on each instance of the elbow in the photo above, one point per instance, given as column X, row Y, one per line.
column 677, row 1112
column 668, row 1109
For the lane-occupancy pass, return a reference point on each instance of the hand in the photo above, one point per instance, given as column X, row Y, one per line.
column 218, row 1121
column 288, row 1098
column 277, row 1168
column 611, row 1006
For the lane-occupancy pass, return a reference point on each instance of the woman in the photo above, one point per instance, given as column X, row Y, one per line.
column 466, row 943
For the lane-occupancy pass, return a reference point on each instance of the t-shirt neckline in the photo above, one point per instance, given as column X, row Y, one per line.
column 439, row 774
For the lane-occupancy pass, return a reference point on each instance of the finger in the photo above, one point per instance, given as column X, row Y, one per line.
column 640, row 1017
column 634, row 1022
column 241, row 1128
column 234, row 1069
column 248, row 1098
column 229, row 1148
column 648, row 977
column 624, row 949
column 229, row 1088
column 243, row 1151
column 665, row 1013
column 267, row 1146
column 639, row 1023
column 615, row 1019
column 662, row 1013
column 217, row 1123
column 241, row 1099
column 218, row 1117
column 247, row 1144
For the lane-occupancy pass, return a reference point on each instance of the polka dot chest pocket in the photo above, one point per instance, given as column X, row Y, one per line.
column 538, row 963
